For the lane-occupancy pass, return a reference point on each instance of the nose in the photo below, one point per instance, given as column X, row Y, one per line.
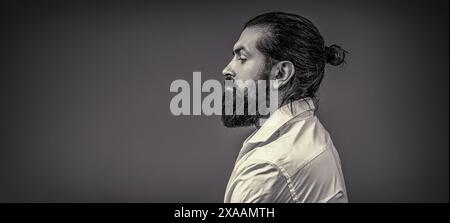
column 227, row 72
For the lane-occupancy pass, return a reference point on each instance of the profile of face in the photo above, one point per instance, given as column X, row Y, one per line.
column 292, row 56
column 248, row 63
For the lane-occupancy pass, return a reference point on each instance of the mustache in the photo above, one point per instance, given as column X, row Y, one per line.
column 229, row 82
column 229, row 78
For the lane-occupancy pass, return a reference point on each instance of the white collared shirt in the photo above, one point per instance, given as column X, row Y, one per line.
column 290, row 158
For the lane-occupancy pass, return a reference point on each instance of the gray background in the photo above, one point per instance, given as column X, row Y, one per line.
column 85, row 117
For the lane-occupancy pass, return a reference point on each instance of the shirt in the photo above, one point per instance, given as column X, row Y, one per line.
column 290, row 158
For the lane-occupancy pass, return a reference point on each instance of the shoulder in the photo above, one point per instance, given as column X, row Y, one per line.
column 298, row 143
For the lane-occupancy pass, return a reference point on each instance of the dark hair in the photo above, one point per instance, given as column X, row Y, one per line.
column 294, row 38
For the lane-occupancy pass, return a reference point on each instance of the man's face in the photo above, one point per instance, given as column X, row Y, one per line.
column 248, row 63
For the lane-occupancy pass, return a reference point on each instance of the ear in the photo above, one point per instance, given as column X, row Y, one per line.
column 284, row 72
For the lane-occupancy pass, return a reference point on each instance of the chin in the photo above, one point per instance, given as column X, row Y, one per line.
column 234, row 121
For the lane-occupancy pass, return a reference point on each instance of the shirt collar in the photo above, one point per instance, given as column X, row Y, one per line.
column 280, row 117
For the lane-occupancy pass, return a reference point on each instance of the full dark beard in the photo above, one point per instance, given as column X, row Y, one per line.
column 232, row 121
column 246, row 119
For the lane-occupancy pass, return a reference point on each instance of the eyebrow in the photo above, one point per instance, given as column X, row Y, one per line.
column 241, row 48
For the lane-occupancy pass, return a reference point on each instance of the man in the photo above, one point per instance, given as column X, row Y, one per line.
column 290, row 157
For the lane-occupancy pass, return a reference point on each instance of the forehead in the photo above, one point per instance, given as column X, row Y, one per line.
column 248, row 39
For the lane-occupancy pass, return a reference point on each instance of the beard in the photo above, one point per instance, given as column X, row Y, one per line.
column 242, row 120
column 235, row 120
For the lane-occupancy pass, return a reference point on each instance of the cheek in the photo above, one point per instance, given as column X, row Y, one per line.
column 250, row 70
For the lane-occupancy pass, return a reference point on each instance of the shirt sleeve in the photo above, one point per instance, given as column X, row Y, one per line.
column 259, row 182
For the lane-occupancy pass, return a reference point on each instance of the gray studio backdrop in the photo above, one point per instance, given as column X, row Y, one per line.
column 85, row 98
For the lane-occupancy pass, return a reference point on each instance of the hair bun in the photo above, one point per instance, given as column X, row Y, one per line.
column 335, row 55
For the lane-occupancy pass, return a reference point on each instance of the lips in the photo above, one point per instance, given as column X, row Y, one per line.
column 229, row 87
column 229, row 83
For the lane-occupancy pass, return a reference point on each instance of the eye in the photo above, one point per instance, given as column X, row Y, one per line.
column 242, row 59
